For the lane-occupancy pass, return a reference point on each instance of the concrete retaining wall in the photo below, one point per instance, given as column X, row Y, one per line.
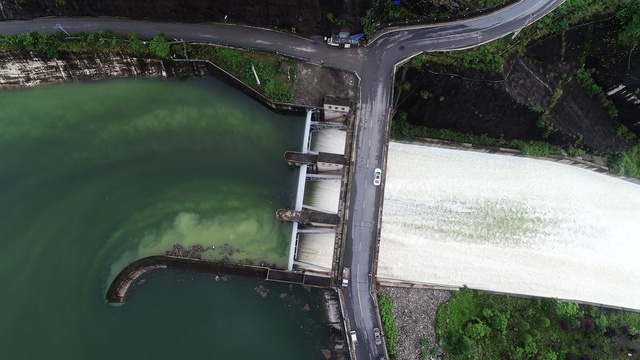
column 120, row 286
column 423, row 285
column 563, row 159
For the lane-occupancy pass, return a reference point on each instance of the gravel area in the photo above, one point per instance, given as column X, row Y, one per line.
column 414, row 311
column 313, row 82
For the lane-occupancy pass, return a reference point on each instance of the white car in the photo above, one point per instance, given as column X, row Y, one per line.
column 377, row 176
column 376, row 336
column 354, row 337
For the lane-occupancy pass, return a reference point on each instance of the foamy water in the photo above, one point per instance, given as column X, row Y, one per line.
column 509, row 224
column 316, row 249
column 323, row 195
column 329, row 141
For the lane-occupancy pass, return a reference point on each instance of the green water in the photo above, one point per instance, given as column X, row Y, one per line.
column 96, row 175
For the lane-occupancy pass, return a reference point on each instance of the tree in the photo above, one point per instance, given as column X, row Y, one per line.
column 49, row 45
column 629, row 17
column 135, row 42
column 160, row 46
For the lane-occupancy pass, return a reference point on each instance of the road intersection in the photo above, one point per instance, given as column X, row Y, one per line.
column 375, row 66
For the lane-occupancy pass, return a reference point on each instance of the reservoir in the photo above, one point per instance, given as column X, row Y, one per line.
column 96, row 175
column 510, row 224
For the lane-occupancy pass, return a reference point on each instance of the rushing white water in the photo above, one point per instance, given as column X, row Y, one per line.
column 329, row 141
column 316, row 249
column 510, row 224
column 323, row 195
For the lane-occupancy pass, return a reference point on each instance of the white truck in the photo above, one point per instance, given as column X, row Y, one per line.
column 345, row 276
column 354, row 337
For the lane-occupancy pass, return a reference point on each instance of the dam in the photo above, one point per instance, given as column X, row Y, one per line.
column 493, row 222
column 509, row 224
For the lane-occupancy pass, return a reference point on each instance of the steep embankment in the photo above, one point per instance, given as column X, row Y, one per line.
column 538, row 95
column 17, row 69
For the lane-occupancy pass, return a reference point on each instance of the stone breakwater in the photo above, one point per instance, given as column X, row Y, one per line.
column 20, row 70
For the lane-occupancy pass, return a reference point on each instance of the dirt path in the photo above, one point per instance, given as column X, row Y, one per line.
column 415, row 312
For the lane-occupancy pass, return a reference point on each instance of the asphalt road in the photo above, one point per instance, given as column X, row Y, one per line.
column 375, row 65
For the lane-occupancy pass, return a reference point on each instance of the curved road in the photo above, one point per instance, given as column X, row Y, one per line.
column 375, row 66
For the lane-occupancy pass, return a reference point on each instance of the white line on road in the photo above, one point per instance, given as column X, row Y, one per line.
column 358, row 292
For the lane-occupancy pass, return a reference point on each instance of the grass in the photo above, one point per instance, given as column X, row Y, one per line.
column 274, row 82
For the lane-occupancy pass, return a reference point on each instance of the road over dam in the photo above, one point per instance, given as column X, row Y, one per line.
column 375, row 66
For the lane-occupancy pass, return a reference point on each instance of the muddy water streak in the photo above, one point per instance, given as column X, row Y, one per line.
column 510, row 224
column 93, row 176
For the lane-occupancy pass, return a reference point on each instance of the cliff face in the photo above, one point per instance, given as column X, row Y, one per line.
column 17, row 69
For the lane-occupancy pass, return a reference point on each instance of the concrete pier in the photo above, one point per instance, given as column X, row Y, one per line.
column 308, row 217
column 317, row 163
column 121, row 285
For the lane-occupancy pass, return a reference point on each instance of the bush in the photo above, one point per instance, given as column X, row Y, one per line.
column 385, row 303
column 160, row 46
column 477, row 330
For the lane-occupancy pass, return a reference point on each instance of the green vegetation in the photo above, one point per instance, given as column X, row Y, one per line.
column 402, row 129
column 584, row 79
column 474, row 325
column 275, row 84
column 627, row 163
column 339, row 22
column 486, row 58
column 629, row 17
column 385, row 302
column 160, row 46
column 490, row 57
column 624, row 133
column 51, row 45
column 276, row 74
column 424, row 351
column 544, row 121
column 384, row 11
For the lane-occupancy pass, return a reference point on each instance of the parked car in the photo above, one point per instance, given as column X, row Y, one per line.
column 376, row 336
column 354, row 337
column 377, row 176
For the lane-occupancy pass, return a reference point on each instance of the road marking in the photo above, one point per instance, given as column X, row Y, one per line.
column 360, row 246
column 363, row 203
column 358, row 291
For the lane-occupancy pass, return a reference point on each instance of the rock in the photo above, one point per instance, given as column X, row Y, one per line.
column 306, row 307
column 262, row 291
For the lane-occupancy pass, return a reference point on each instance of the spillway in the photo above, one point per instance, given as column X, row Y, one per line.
column 510, row 224
column 329, row 141
column 322, row 195
column 316, row 249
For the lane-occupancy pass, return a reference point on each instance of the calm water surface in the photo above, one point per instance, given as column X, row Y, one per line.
column 96, row 175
